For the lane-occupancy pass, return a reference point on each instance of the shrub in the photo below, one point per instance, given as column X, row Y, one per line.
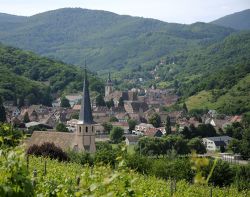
column 48, row 150
column 80, row 157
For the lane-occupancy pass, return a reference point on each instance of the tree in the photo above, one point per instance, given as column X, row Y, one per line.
column 168, row 126
column 155, row 120
column 234, row 145
column 110, row 103
column 113, row 119
column 186, row 132
column 61, row 127
column 196, row 145
column 121, row 102
column 131, row 124
column 245, row 144
column 116, row 134
column 100, row 100
column 2, row 111
column 64, row 102
column 26, row 117
column 184, row 107
column 246, row 120
column 107, row 126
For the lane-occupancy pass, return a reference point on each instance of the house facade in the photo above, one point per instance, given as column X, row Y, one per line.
column 215, row 143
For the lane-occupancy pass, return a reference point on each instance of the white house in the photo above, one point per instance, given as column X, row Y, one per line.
column 214, row 143
column 143, row 127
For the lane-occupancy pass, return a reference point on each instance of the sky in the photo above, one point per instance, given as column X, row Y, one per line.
column 179, row 11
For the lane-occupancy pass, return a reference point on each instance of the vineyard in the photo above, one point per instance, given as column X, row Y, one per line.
column 46, row 177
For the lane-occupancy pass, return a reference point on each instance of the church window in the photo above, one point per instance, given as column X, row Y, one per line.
column 86, row 129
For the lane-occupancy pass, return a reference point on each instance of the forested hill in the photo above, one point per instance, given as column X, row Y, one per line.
column 24, row 75
column 239, row 20
column 107, row 40
column 215, row 77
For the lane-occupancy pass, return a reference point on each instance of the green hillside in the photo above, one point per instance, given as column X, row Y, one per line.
column 239, row 20
column 212, row 73
column 25, row 75
column 107, row 40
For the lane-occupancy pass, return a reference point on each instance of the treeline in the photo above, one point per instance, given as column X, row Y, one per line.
column 26, row 76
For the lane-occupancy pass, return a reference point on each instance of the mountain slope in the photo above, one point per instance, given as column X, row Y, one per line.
column 239, row 20
column 24, row 75
column 106, row 39
column 216, row 76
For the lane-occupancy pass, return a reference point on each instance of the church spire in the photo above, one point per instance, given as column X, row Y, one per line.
column 85, row 115
column 109, row 78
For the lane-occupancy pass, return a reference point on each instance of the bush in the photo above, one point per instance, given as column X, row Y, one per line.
column 9, row 137
column 48, row 150
column 14, row 177
column 80, row 157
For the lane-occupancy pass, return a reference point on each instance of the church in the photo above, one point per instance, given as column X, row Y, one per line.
column 83, row 139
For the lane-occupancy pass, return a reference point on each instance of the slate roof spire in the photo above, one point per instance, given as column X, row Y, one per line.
column 109, row 78
column 85, row 115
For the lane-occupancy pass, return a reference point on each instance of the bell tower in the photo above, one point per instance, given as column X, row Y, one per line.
column 108, row 87
column 85, row 129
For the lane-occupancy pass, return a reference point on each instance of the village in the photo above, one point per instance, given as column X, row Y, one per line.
column 130, row 110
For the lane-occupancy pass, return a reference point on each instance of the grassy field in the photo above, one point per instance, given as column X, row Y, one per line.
column 236, row 97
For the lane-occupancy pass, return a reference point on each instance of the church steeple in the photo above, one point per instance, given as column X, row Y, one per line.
column 85, row 116
column 108, row 87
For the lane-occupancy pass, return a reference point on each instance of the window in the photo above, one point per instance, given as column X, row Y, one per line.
column 92, row 129
column 80, row 129
column 87, row 129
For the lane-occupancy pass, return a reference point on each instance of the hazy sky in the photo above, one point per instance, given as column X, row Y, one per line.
column 180, row 11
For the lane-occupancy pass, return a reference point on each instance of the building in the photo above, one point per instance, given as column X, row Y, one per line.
column 83, row 139
column 215, row 143
column 108, row 87
column 143, row 127
column 131, row 140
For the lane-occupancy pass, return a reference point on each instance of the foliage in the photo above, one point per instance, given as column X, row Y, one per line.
column 42, row 77
column 113, row 119
column 9, row 136
column 61, row 127
column 80, row 157
column 110, row 103
column 147, row 40
column 245, row 144
column 100, row 100
column 168, row 126
column 116, row 134
column 196, row 144
column 64, row 102
column 236, row 20
column 155, row 120
column 48, row 150
column 26, row 117
column 222, row 174
column 162, row 146
column 14, row 178
column 2, row 111
column 121, row 102
column 107, row 126
column 131, row 124
column 103, row 180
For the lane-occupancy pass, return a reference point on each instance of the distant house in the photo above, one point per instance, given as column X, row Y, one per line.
column 153, row 132
column 15, row 112
column 135, row 106
column 143, row 127
column 215, row 143
column 131, row 140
